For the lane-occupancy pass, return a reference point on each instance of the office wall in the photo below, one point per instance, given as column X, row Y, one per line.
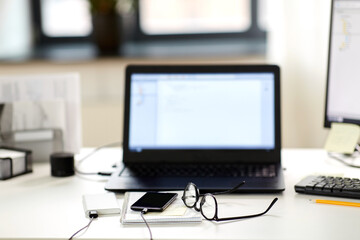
column 102, row 97
column 297, row 41
column 102, row 85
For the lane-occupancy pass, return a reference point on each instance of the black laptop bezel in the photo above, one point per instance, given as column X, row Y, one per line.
column 200, row 155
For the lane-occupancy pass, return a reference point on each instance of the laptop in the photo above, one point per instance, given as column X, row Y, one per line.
column 213, row 125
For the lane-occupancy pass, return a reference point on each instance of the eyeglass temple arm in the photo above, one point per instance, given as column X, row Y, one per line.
column 249, row 216
column 231, row 190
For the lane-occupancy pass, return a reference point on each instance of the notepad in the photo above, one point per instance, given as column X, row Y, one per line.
column 177, row 212
column 342, row 138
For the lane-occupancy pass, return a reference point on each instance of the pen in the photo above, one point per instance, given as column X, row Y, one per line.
column 351, row 204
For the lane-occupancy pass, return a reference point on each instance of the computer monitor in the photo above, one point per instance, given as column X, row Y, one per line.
column 343, row 78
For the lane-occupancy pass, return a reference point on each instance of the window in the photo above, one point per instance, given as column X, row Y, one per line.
column 164, row 17
column 161, row 28
column 67, row 19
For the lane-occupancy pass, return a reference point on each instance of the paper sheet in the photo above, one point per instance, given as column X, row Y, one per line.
column 177, row 208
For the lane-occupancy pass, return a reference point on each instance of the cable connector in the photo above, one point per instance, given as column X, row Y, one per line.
column 104, row 173
column 93, row 214
column 144, row 211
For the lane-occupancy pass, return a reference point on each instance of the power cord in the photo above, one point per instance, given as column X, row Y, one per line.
column 79, row 162
column 357, row 147
column 343, row 161
column 92, row 216
column 144, row 211
column 93, row 173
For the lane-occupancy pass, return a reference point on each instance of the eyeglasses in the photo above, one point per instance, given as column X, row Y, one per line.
column 208, row 203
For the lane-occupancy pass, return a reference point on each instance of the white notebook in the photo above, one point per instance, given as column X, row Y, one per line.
column 177, row 212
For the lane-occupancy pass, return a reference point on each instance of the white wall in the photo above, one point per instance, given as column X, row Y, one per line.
column 298, row 42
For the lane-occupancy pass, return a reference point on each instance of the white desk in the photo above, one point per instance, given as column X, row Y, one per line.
column 36, row 206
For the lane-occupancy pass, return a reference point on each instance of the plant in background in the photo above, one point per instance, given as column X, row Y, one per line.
column 107, row 25
column 103, row 6
column 113, row 6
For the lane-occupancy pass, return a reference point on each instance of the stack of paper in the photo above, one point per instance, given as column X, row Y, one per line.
column 14, row 162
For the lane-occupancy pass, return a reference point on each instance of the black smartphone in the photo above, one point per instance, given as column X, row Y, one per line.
column 155, row 202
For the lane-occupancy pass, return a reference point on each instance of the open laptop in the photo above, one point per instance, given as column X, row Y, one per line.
column 215, row 126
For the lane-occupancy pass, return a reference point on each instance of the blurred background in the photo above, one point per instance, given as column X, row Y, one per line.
column 98, row 38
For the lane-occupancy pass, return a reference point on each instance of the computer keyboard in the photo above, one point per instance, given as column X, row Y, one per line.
column 201, row 170
column 330, row 186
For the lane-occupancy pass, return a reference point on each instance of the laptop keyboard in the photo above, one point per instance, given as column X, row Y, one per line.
column 200, row 170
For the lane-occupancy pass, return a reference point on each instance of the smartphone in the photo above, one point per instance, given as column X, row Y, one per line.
column 155, row 202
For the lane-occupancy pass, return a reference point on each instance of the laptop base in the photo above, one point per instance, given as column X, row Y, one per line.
column 252, row 184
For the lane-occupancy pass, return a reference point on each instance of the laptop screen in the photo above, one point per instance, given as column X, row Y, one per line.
column 202, row 111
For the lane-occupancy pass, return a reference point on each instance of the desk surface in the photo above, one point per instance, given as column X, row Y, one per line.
column 36, row 205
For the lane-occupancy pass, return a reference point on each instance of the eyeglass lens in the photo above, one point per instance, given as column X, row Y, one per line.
column 190, row 195
column 208, row 206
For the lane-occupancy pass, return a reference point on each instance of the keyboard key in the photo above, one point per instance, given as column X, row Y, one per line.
column 310, row 186
column 319, row 186
column 337, row 188
column 327, row 188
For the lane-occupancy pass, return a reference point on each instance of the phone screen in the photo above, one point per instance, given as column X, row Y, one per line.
column 154, row 201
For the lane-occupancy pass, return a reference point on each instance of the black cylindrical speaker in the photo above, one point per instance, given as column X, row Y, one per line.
column 62, row 164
